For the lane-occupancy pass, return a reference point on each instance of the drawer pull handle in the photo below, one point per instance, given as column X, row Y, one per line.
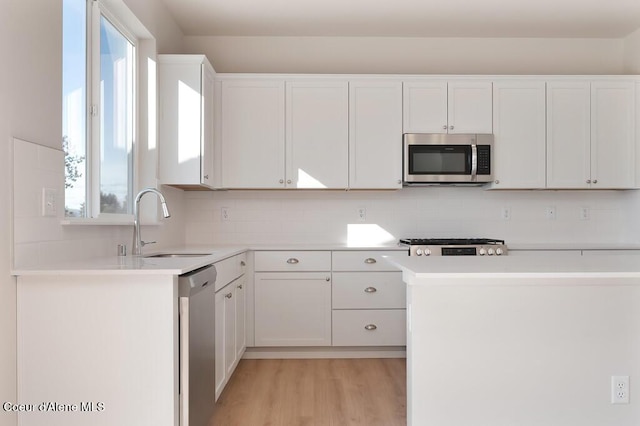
column 370, row 290
column 370, row 327
column 292, row 261
column 228, row 295
column 240, row 286
column 370, row 260
column 242, row 263
column 327, row 279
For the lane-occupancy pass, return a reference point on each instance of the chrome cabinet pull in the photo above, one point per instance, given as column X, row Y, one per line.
column 595, row 181
column 588, row 180
column 327, row 279
column 370, row 260
column 370, row 290
column 444, row 127
column 206, row 176
column 450, row 127
column 228, row 295
column 292, row 261
column 243, row 263
column 370, row 327
column 288, row 180
column 240, row 286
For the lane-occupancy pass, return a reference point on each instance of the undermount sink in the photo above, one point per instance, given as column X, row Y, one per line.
column 178, row 255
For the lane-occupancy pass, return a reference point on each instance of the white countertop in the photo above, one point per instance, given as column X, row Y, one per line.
column 173, row 266
column 126, row 265
column 518, row 266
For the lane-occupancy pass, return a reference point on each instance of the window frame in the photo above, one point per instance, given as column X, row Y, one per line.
column 96, row 9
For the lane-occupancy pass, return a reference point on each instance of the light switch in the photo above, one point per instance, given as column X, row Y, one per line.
column 49, row 205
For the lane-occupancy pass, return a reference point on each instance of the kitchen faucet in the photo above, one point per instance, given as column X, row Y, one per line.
column 137, row 239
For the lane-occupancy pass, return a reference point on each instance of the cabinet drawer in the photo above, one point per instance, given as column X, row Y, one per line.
column 285, row 261
column 369, row 327
column 363, row 260
column 229, row 269
column 368, row 290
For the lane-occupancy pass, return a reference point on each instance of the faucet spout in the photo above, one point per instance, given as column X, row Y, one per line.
column 137, row 239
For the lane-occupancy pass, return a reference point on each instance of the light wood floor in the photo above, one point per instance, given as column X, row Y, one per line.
column 296, row 392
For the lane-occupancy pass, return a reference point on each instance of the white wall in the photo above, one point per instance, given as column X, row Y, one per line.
column 401, row 55
column 293, row 217
column 40, row 240
column 632, row 53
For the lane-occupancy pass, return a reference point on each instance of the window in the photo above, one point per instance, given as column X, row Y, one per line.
column 99, row 70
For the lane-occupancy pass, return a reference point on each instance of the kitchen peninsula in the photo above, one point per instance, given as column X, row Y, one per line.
column 521, row 340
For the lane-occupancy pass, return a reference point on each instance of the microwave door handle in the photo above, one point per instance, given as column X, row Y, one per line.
column 474, row 161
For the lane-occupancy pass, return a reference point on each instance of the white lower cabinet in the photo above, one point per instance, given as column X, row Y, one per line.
column 230, row 311
column 369, row 327
column 328, row 298
column 368, row 300
column 293, row 309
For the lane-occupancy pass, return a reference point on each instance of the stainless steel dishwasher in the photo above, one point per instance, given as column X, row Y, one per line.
column 197, row 345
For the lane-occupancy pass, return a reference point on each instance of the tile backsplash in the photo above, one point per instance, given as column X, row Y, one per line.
column 39, row 240
column 264, row 217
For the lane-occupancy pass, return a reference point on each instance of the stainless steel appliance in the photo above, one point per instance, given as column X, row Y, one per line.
column 197, row 346
column 434, row 159
column 454, row 247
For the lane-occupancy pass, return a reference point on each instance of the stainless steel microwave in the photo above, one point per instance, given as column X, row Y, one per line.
column 434, row 158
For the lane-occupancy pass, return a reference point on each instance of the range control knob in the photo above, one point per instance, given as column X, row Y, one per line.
column 427, row 252
column 490, row 252
column 482, row 251
column 499, row 251
column 419, row 252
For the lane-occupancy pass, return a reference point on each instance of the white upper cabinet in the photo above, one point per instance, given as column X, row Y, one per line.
column 186, row 97
column 470, row 107
column 251, row 133
column 612, row 134
column 568, row 134
column 317, row 134
column 590, row 135
column 463, row 106
column 519, row 124
column 375, row 134
column 425, row 107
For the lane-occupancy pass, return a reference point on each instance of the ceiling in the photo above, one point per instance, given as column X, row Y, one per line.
column 408, row 18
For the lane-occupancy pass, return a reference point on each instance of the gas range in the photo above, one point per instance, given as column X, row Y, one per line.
column 454, row 247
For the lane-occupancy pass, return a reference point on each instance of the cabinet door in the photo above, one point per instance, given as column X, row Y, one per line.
column 375, row 135
column 425, row 107
column 230, row 353
column 206, row 149
column 252, row 134
column 612, row 134
column 241, row 331
column 568, row 135
column 470, row 107
column 519, row 124
column 317, row 134
column 180, row 140
column 221, row 371
column 292, row 309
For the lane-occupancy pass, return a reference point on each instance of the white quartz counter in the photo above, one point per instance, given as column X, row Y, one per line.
column 126, row 265
column 417, row 268
column 174, row 266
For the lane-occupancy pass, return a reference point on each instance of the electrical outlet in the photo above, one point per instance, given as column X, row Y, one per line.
column 584, row 213
column 49, row 204
column 619, row 389
column 550, row 213
column 506, row 213
column 362, row 214
column 225, row 213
